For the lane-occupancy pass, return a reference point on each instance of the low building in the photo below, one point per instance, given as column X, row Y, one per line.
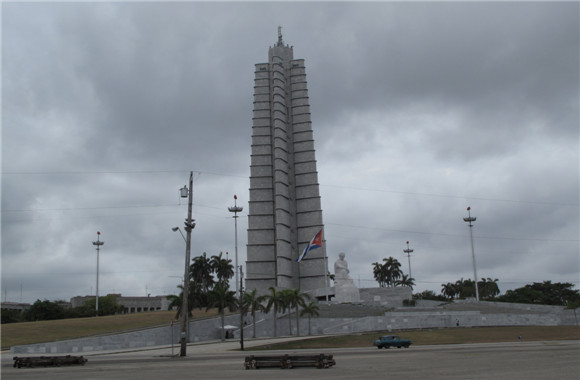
column 15, row 306
column 130, row 304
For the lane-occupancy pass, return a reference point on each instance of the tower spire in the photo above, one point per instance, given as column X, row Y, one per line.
column 280, row 42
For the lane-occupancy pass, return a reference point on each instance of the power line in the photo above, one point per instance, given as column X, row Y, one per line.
column 455, row 196
column 108, row 207
column 198, row 172
column 90, row 208
column 446, row 234
column 93, row 172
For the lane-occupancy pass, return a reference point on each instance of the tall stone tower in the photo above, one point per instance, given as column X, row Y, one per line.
column 284, row 207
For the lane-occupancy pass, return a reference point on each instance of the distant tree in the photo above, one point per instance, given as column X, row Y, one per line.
column 465, row 288
column 107, row 306
column 428, row 295
column 379, row 274
column 405, row 281
column 312, row 310
column 544, row 293
column 449, row 290
column 201, row 272
column 11, row 316
column 44, row 311
column 388, row 272
column 488, row 288
column 393, row 270
column 223, row 268
column 523, row 295
column 222, row 298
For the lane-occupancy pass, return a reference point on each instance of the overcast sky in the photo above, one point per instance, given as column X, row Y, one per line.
column 419, row 110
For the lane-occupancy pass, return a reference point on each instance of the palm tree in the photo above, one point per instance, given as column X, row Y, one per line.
column 275, row 302
column 223, row 268
column 393, row 270
column 196, row 299
column 201, row 272
column 488, row 287
column 175, row 302
column 254, row 302
column 285, row 305
column 296, row 299
column 449, row 290
column 221, row 298
column 465, row 288
column 379, row 274
column 312, row 311
column 405, row 281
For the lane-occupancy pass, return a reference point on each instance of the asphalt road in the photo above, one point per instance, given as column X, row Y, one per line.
column 518, row 360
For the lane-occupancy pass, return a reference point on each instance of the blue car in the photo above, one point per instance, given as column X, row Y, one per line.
column 389, row 341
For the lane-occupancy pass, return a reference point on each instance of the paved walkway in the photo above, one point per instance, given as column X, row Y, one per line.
column 209, row 347
column 516, row 360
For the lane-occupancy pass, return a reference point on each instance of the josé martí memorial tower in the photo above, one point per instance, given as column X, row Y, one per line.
column 284, row 207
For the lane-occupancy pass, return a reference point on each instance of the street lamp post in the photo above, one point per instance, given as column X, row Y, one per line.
column 175, row 229
column 189, row 225
column 97, row 243
column 408, row 252
column 242, row 311
column 235, row 209
column 469, row 220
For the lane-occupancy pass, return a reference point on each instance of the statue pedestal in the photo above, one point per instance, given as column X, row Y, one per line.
column 346, row 291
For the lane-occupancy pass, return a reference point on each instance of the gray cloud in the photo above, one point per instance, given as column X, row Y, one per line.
column 419, row 110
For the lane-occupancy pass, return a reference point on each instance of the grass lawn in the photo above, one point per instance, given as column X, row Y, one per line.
column 48, row 331
column 13, row 334
column 438, row 336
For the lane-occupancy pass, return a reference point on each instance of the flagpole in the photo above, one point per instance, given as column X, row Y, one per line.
column 317, row 241
column 325, row 270
column 298, row 262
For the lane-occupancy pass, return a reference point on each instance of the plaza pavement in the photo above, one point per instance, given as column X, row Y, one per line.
column 221, row 360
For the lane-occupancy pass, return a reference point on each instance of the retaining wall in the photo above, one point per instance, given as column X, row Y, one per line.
column 209, row 329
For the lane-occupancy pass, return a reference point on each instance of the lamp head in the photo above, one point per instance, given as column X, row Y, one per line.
column 175, row 229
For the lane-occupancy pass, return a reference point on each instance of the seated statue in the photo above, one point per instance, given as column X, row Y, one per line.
column 344, row 288
column 341, row 268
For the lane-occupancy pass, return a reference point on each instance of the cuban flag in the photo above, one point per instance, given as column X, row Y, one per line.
column 316, row 242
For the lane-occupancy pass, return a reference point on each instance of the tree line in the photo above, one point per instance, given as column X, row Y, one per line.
column 49, row 310
column 210, row 281
column 388, row 273
column 209, row 289
column 539, row 293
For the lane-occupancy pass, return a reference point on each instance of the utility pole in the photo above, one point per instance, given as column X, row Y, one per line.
column 235, row 209
column 470, row 219
column 242, row 310
column 189, row 225
column 98, row 243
